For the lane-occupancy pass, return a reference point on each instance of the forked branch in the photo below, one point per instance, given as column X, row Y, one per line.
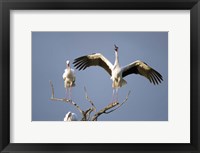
column 88, row 99
column 64, row 99
column 119, row 104
column 110, row 106
column 86, row 115
column 102, row 111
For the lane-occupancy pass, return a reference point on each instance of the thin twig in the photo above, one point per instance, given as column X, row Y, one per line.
column 52, row 89
column 119, row 104
column 87, row 98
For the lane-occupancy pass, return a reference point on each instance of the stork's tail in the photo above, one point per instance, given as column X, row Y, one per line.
column 123, row 82
column 119, row 84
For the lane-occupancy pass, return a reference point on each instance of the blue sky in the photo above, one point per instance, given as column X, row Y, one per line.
column 50, row 50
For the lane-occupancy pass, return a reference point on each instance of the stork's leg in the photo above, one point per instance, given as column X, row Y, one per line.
column 70, row 93
column 113, row 95
column 66, row 92
column 116, row 94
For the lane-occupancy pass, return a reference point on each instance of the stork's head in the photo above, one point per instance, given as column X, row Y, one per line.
column 67, row 63
column 116, row 48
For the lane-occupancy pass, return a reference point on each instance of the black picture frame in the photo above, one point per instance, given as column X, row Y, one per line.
column 7, row 5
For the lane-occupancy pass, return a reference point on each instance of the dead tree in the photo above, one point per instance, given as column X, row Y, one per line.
column 86, row 115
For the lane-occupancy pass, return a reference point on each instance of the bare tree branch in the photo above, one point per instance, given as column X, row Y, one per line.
column 64, row 99
column 88, row 99
column 52, row 89
column 110, row 106
column 119, row 104
column 102, row 111
column 86, row 114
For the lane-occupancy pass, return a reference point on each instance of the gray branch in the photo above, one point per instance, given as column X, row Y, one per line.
column 88, row 99
column 110, row 106
column 64, row 100
column 86, row 114
column 119, row 104
column 102, row 111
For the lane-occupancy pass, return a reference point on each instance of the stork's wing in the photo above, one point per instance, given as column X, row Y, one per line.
column 139, row 67
column 95, row 59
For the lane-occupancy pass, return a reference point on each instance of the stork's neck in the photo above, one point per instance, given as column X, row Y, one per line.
column 68, row 67
column 116, row 59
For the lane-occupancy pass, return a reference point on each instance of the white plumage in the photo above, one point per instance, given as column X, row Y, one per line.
column 69, row 78
column 117, row 72
column 71, row 117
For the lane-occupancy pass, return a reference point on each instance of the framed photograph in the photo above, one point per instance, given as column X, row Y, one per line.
column 99, row 76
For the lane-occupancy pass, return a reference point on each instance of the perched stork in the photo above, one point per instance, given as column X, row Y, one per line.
column 117, row 72
column 69, row 79
column 71, row 117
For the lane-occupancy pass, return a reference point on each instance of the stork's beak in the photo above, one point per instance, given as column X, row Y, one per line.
column 67, row 65
column 116, row 48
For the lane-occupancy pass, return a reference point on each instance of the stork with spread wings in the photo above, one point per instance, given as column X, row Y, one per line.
column 117, row 72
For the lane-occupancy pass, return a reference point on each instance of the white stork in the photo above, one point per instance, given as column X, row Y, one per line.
column 69, row 79
column 117, row 72
column 71, row 117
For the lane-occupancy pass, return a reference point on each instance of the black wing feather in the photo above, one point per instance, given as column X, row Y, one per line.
column 139, row 67
column 96, row 59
